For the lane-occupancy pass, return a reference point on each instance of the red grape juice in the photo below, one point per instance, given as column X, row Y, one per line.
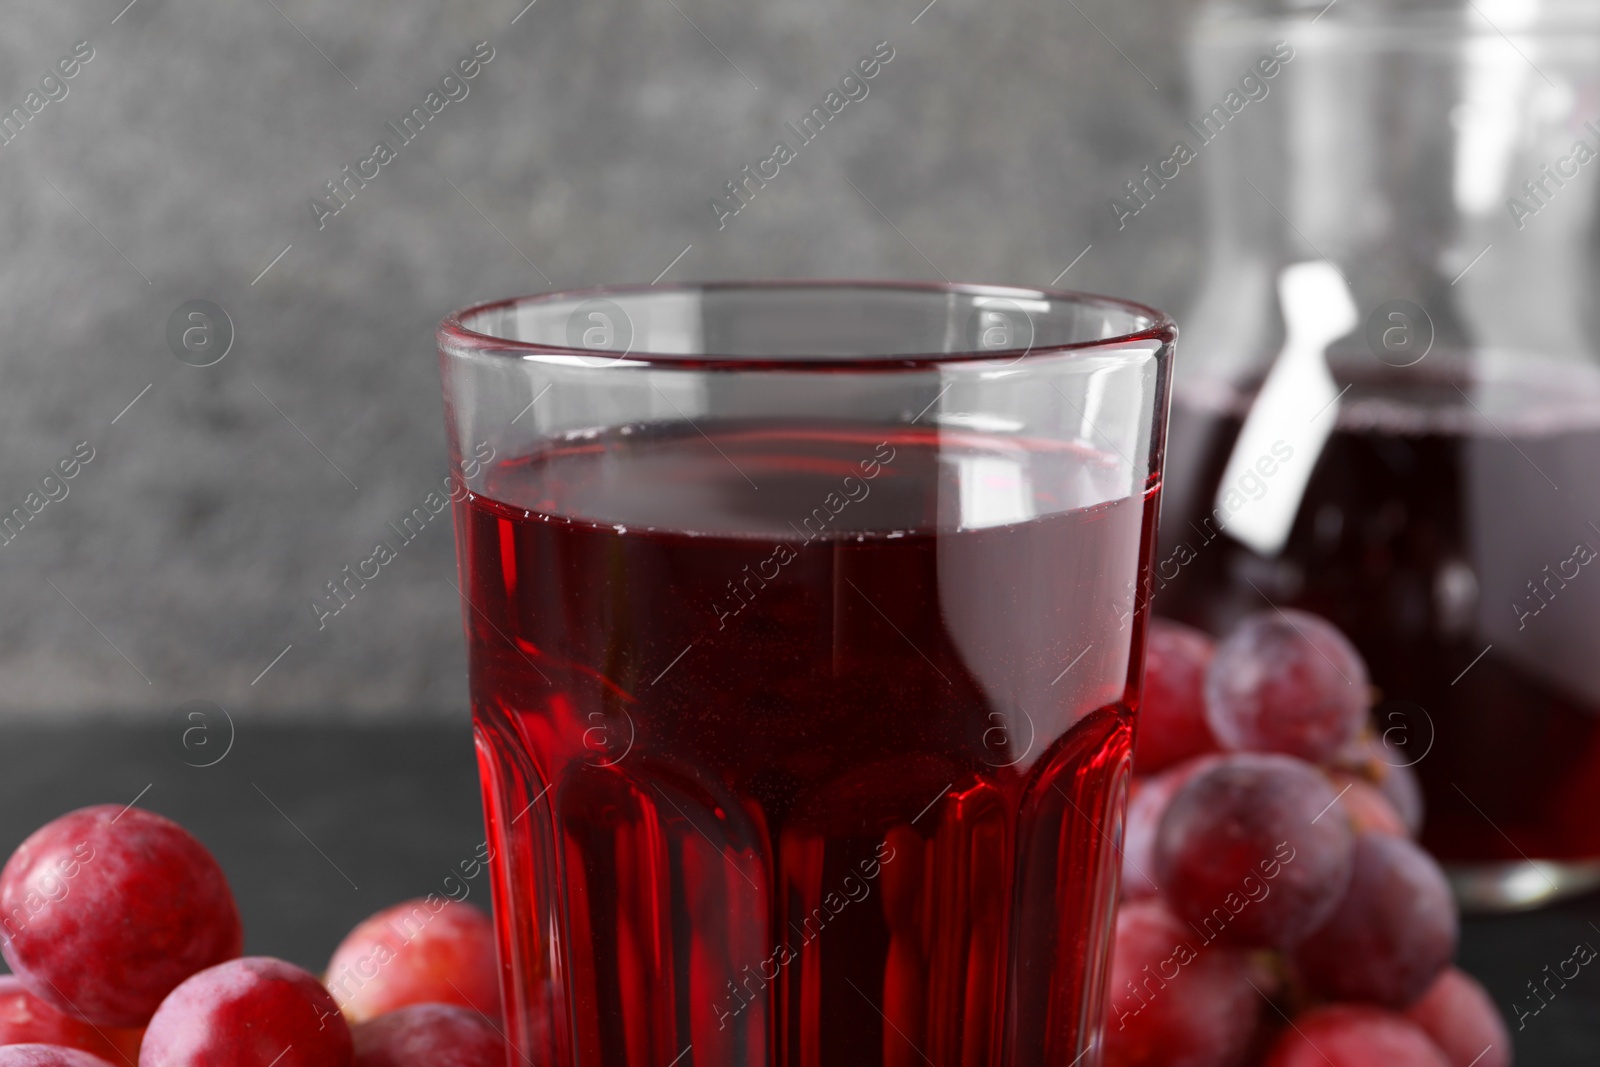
column 1449, row 528
column 813, row 741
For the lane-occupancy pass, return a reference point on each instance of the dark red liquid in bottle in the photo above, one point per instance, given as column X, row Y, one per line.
column 805, row 746
column 1447, row 527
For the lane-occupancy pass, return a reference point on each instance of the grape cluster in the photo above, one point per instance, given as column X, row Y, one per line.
column 1270, row 872
column 125, row 946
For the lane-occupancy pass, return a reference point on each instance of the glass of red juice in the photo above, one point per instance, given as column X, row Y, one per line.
column 805, row 625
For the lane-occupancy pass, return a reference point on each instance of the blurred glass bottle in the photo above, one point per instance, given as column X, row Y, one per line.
column 1388, row 408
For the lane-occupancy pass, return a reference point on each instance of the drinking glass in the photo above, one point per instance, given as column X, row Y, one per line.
column 805, row 625
column 1400, row 307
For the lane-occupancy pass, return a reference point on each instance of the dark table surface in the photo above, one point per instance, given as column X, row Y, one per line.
column 319, row 826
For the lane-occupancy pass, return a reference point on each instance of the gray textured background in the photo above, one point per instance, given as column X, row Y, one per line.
column 194, row 140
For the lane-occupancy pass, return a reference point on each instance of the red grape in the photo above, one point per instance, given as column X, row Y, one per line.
column 33, row 1055
column 1286, row 681
column 1252, row 850
column 1386, row 767
column 1458, row 1014
column 25, row 1019
column 1399, row 783
column 1391, row 935
column 1172, row 716
column 425, row 951
column 1347, row 1035
column 1368, row 810
column 1147, row 803
column 1174, row 1000
column 108, row 908
column 256, row 1011
column 429, row 1035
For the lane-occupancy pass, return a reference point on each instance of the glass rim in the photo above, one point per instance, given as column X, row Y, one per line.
column 1158, row 327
